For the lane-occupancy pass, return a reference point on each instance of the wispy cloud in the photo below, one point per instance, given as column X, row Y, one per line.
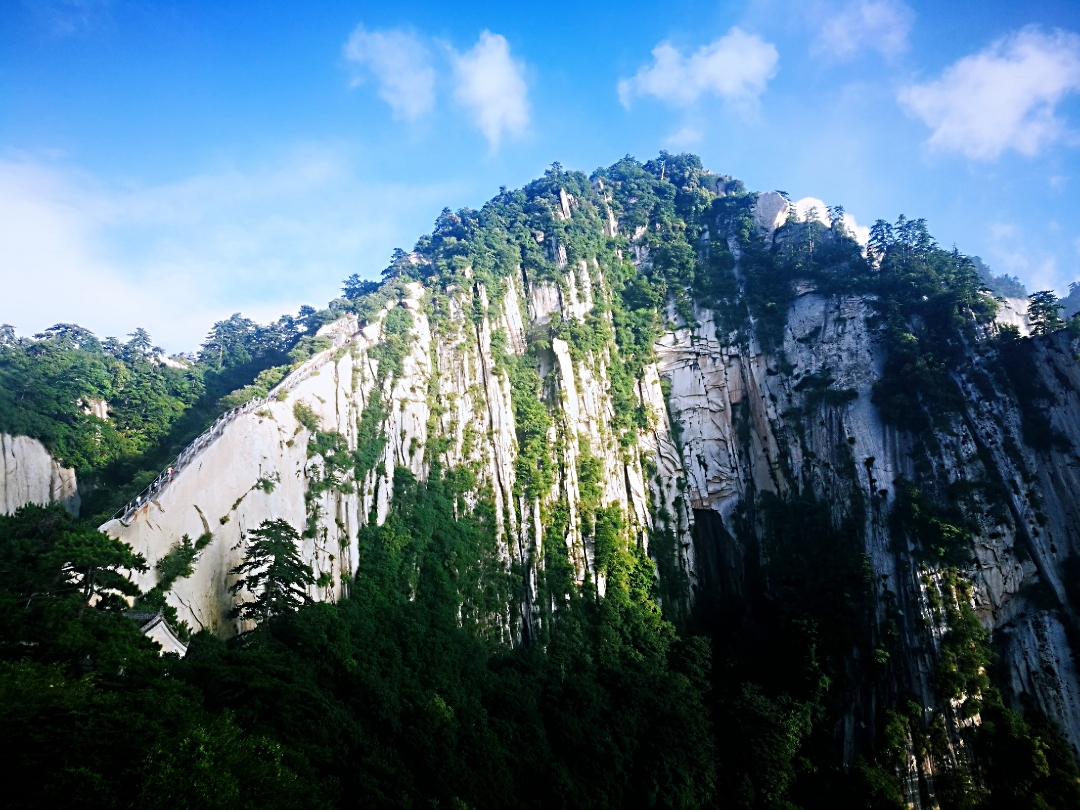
column 686, row 137
column 735, row 67
column 401, row 65
column 65, row 18
column 1004, row 97
column 487, row 82
column 177, row 256
column 490, row 83
column 880, row 25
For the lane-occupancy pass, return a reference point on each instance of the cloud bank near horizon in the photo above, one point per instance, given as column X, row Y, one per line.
column 175, row 257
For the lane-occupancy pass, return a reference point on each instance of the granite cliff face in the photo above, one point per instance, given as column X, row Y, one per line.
column 723, row 425
column 28, row 474
column 450, row 389
column 746, row 432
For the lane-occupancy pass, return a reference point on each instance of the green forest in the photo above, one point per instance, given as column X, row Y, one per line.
column 156, row 405
column 405, row 693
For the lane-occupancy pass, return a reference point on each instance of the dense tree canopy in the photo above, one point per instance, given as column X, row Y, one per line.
column 1043, row 309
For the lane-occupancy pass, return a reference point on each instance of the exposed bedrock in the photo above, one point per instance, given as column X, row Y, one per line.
column 725, row 424
column 28, row 474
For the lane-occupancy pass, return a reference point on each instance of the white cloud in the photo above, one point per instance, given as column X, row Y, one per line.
column 491, row 85
column 175, row 257
column 735, row 67
column 488, row 82
column 860, row 232
column 1003, row 97
column 401, row 64
column 881, row 25
column 809, row 207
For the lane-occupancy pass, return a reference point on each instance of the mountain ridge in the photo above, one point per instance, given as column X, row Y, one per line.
column 652, row 374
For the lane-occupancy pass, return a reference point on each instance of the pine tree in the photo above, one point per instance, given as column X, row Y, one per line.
column 1043, row 309
column 355, row 287
column 92, row 564
column 273, row 573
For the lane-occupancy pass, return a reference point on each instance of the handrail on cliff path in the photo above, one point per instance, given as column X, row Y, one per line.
column 206, row 438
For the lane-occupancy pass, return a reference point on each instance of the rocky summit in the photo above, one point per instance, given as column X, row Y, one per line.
column 836, row 482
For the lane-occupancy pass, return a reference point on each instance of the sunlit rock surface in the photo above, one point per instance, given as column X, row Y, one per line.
column 1014, row 312
column 735, row 423
column 28, row 474
column 770, row 211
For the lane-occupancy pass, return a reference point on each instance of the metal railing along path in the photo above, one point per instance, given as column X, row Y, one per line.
column 205, row 439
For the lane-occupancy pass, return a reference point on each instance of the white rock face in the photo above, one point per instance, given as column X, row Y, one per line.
column 255, row 466
column 743, row 423
column 543, row 301
column 748, row 429
column 1036, row 667
column 96, row 407
column 28, row 474
column 564, row 203
column 732, row 403
column 770, row 211
column 175, row 362
column 1014, row 312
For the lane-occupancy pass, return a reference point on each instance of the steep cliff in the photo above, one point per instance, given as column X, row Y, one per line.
column 28, row 474
column 446, row 400
column 779, row 422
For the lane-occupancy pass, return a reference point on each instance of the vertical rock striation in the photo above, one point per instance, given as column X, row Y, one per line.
column 721, row 425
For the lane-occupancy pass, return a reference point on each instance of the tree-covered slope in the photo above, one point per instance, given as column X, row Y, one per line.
column 614, row 492
column 117, row 411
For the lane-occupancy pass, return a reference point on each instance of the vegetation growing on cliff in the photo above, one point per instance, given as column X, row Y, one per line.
column 1004, row 285
column 271, row 573
column 931, row 301
column 403, row 694
column 786, row 650
column 177, row 564
column 50, row 385
column 425, row 686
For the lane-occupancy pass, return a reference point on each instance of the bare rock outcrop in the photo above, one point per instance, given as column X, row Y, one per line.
column 260, row 465
column 28, row 474
column 770, row 211
column 1014, row 312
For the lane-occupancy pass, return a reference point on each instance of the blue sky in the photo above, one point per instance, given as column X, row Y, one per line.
column 166, row 163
